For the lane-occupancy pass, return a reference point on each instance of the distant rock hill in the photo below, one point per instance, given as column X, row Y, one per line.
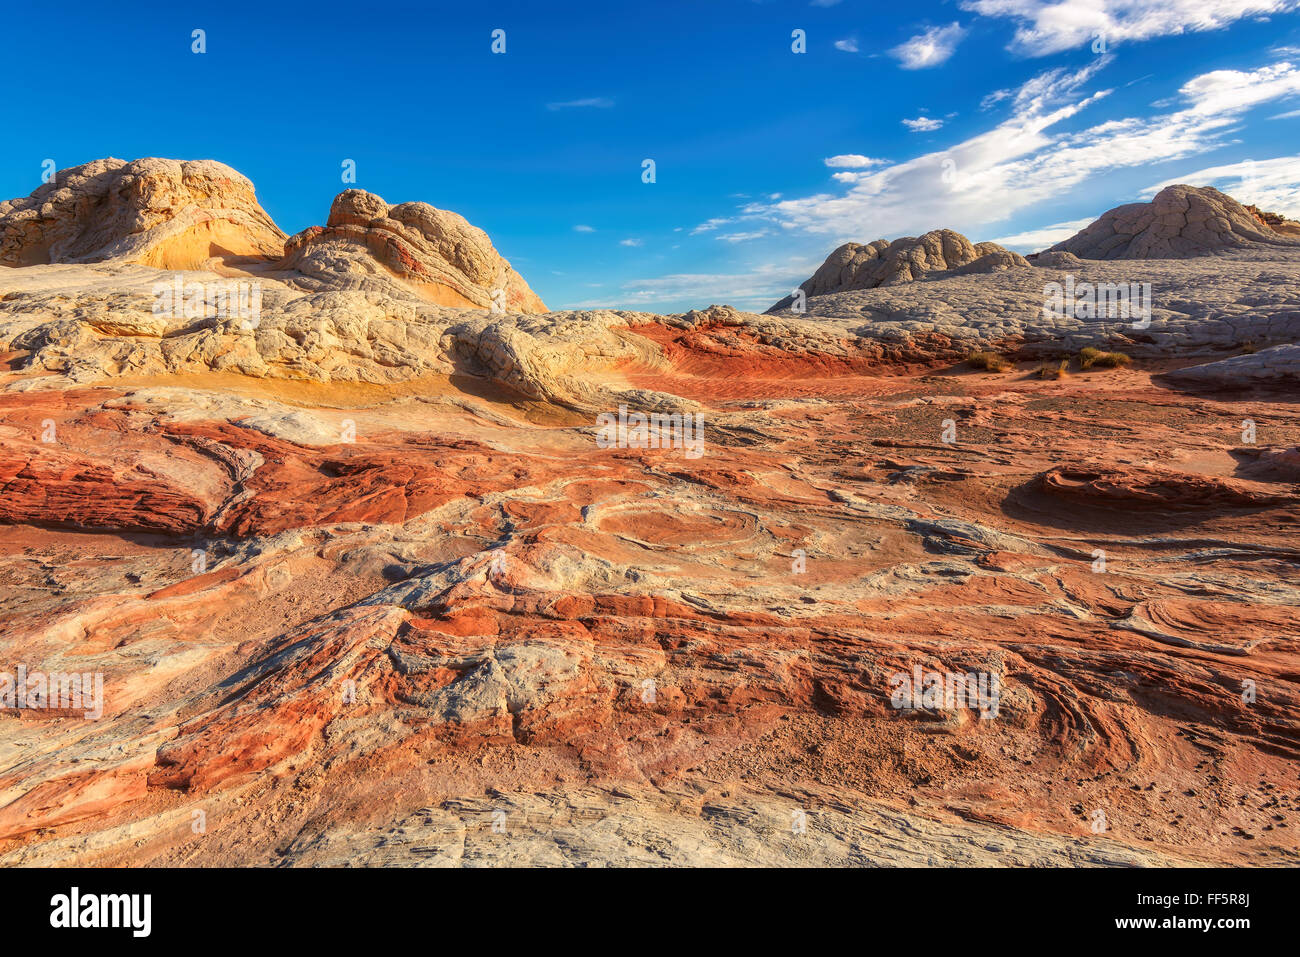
column 366, row 244
column 1275, row 221
column 856, row 266
column 203, row 215
column 159, row 212
column 1179, row 223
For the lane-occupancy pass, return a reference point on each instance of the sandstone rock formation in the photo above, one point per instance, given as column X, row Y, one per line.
column 363, row 651
column 1276, row 364
column 1181, row 221
column 366, row 244
column 1275, row 221
column 1056, row 260
column 884, row 263
column 202, row 215
column 163, row 213
column 363, row 581
column 1199, row 307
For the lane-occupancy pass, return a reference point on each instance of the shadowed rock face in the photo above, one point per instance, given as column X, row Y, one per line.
column 366, row 244
column 884, row 263
column 163, row 213
column 1181, row 222
column 1275, row 364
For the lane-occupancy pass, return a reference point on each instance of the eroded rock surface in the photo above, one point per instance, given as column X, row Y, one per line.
column 885, row 263
column 367, row 244
column 1180, row 221
column 1276, row 364
column 163, row 213
column 367, row 583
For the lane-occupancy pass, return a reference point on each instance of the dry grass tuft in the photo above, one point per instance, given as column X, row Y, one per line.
column 1049, row 371
column 988, row 361
column 1090, row 357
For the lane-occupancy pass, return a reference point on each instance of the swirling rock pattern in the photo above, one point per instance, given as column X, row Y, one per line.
column 367, row 584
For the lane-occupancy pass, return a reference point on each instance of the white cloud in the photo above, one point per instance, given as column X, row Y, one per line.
column 629, row 242
column 824, row 3
column 580, row 228
column 1224, row 91
column 930, row 48
column 923, row 124
column 1050, row 26
column 994, row 98
column 848, row 45
column 851, row 161
column 1273, row 185
column 711, row 225
column 743, row 237
column 1035, row 240
column 756, row 289
column 1289, row 115
column 598, row 102
column 1022, row 162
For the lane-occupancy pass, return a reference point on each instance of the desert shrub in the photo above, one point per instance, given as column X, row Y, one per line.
column 1090, row 357
column 1050, row 370
column 989, row 361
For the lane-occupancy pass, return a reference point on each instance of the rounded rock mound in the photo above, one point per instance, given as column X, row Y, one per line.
column 368, row 244
column 883, row 263
column 1181, row 222
column 169, row 214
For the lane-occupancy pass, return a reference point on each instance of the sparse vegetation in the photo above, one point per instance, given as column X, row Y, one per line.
column 988, row 361
column 1090, row 357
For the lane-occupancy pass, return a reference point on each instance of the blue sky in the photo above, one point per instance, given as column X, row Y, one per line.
column 999, row 118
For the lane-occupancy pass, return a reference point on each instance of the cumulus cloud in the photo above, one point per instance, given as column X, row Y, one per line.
column 930, row 48
column 1050, row 26
column 629, row 242
column 848, row 45
column 923, row 124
